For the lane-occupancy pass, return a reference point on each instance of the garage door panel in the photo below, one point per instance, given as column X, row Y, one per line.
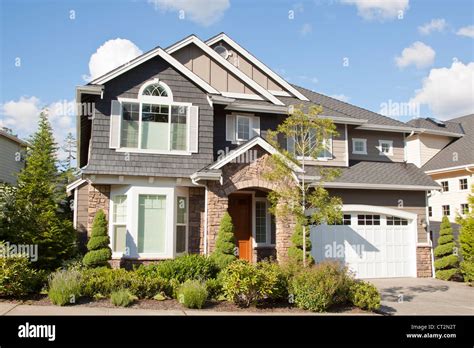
column 370, row 251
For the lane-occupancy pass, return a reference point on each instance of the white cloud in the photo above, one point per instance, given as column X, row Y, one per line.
column 110, row 55
column 448, row 91
column 22, row 117
column 341, row 97
column 434, row 25
column 379, row 9
column 466, row 31
column 311, row 79
column 201, row 12
column 306, row 29
column 418, row 54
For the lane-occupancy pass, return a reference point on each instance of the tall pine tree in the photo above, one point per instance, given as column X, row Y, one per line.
column 35, row 215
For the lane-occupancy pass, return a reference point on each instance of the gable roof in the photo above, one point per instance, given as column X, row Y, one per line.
column 463, row 147
column 158, row 51
column 193, row 39
column 13, row 138
column 257, row 63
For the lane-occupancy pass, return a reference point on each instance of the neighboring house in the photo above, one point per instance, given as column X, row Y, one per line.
column 12, row 152
column 446, row 153
column 176, row 137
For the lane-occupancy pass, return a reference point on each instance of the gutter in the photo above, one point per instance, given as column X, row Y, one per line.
column 379, row 186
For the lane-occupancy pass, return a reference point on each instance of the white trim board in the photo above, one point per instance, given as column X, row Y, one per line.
column 149, row 55
column 217, row 57
column 363, row 186
column 257, row 63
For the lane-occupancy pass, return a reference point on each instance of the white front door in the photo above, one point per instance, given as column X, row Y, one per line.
column 372, row 245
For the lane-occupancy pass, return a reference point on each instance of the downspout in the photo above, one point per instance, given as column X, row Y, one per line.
column 205, row 213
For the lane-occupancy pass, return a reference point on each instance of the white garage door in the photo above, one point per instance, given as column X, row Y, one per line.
column 372, row 245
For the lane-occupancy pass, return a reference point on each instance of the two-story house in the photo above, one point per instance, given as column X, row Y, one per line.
column 12, row 151
column 445, row 151
column 176, row 137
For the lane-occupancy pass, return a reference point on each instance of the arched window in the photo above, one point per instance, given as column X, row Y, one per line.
column 155, row 90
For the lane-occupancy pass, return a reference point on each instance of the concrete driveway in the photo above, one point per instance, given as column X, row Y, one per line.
column 415, row 296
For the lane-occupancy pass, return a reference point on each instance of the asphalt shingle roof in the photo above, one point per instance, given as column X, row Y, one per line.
column 463, row 147
column 381, row 173
column 450, row 126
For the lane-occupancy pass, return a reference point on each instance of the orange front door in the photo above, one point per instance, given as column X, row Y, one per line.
column 240, row 209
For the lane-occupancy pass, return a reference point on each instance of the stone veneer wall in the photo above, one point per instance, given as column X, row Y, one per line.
column 241, row 176
column 423, row 262
column 99, row 197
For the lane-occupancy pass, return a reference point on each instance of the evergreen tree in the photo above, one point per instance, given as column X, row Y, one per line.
column 466, row 242
column 34, row 215
column 98, row 245
column 446, row 262
column 295, row 252
column 225, row 242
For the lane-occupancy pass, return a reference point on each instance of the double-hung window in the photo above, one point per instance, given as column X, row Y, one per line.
column 463, row 184
column 119, row 223
column 308, row 148
column 264, row 224
column 243, row 128
column 181, row 224
column 359, row 146
column 445, row 186
column 386, row 147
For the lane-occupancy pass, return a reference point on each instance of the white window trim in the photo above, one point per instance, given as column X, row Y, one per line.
column 330, row 157
column 390, row 144
column 156, row 101
column 181, row 192
column 268, row 221
column 364, row 141
column 447, row 186
column 112, row 224
column 237, row 117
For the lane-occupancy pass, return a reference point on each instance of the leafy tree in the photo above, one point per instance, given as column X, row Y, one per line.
column 98, row 245
column 306, row 135
column 225, row 243
column 34, row 214
column 295, row 252
column 446, row 263
column 466, row 241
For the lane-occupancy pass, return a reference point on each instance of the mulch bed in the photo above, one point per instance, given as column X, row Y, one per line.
column 217, row 306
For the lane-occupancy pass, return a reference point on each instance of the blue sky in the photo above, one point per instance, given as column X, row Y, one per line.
column 307, row 47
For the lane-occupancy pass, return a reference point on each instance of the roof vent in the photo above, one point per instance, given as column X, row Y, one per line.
column 222, row 51
column 437, row 122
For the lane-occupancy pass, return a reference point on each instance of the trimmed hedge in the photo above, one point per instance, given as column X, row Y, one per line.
column 446, row 262
column 446, row 274
column 444, row 249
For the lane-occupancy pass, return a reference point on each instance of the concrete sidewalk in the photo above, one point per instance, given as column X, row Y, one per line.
column 22, row 309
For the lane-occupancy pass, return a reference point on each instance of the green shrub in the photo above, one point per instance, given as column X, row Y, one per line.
column 318, row 287
column 245, row 284
column 98, row 246
column 446, row 274
column 224, row 252
column 192, row 294
column 104, row 281
column 64, row 287
column 182, row 268
column 364, row 295
column 214, row 288
column 17, row 278
column 445, row 259
column 276, row 279
column 148, row 287
column 295, row 252
column 466, row 242
column 467, row 270
column 122, row 298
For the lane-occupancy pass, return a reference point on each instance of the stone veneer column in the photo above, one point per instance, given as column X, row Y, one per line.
column 285, row 227
column 196, row 220
column 423, row 262
column 218, row 203
column 99, row 197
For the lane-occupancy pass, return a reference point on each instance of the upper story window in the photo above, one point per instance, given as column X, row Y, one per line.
column 243, row 128
column 359, row 146
column 445, row 186
column 295, row 145
column 386, row 147
column 464, row 208
column 430, row 211
column 445, row 210
column 154, row 122
column 463, row 184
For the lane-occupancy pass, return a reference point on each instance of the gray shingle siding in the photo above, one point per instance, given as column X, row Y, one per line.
column 104, row 160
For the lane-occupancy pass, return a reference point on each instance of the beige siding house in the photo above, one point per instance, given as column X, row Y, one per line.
column 12, row 152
